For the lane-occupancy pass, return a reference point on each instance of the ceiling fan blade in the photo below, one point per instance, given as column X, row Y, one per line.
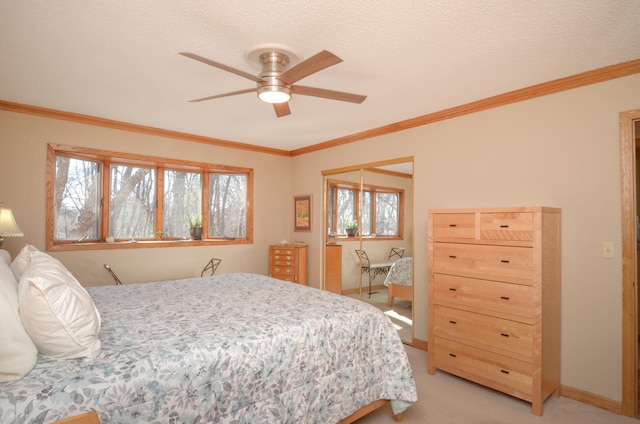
column 309, row 66
column 222, row 66
column 217, row 96
column 327, row 94
column 282, row 109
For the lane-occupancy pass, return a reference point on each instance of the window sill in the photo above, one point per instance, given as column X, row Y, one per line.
column 142, row 244
column 367, row 238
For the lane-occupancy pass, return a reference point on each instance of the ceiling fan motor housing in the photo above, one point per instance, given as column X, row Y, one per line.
column 272, row 89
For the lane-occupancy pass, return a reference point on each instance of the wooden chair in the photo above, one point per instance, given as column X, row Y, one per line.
column 90, row 417
column 211, row 265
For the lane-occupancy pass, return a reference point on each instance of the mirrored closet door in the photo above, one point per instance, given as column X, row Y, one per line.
column 373, row 261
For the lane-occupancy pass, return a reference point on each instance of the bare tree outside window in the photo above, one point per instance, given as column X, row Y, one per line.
column 132, row 205
column 346, row 210
column 228, row 207
column 387, row 206
column 76, row 199
column 182, row 199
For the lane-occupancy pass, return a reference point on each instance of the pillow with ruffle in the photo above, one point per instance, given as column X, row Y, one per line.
column 18, row 354
column 21, row 261
column 57, row 312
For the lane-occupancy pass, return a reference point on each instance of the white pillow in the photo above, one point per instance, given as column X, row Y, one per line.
column 57, row 312
column 5, row 257
column 18, row 354
column 21, row 261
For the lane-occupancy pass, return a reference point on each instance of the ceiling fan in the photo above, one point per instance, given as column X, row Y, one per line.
column 275, row 83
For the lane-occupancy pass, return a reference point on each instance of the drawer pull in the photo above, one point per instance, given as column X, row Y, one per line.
column 504, row 297
column 452, row 322
column 504, row 261
column 504, row 334
column 504, row 226
column 504, row 371
column 453, row 355
column 452, row 289
column 276, row 269
column 452, row 225
column 452, row 256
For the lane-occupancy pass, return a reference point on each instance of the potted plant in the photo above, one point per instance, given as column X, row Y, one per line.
column 351, row 227
column 195, row 227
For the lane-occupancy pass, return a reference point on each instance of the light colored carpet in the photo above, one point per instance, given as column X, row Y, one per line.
column 445, row 399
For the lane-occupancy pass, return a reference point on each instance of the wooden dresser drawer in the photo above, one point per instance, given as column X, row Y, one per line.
column 512, row 337
column 484, row 261
column 454, row 225
column 282, row 251
column 282, row 270
column 506, row 226
column 505, row 298
column 282, row 260
column 499, row 372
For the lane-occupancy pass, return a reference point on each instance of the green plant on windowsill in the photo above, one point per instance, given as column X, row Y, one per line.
column 195, row 227
column 351, row 227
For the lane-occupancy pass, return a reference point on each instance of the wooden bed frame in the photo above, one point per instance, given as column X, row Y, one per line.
column 401, row 292
column 367, row 409
column 92, row 417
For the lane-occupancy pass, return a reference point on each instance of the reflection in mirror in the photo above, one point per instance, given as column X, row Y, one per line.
column 379, row 197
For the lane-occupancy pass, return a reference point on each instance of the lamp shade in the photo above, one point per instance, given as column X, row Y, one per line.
column 8, row 225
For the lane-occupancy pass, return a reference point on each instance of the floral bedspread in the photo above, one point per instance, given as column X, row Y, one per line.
column 401, row 273
column 233, row 348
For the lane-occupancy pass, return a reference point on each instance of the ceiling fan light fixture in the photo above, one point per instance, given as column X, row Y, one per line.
column 274, row 94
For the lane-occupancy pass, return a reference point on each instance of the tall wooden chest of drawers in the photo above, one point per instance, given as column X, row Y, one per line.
column 494, row 298
column 288, row 262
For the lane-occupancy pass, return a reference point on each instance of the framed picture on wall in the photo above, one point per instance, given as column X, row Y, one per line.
column 302, row 213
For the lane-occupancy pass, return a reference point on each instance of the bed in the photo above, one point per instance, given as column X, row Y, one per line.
column 232, row 348
column 399, row 280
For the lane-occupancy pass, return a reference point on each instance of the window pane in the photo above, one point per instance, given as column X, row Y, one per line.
column 387, row 206
column 366, row 213
column 332, row 209
column 76, row 199
column 182, row 199
column 228, row 205
column 133, row 203
column 346, row 208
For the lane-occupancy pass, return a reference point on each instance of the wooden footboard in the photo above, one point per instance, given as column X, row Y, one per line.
column 401, row 292
column 368, row 409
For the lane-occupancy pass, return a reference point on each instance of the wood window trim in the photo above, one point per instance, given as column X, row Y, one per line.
column 350, row 185
column 108, row 158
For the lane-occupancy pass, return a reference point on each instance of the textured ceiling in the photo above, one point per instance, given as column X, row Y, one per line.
column 119, row 60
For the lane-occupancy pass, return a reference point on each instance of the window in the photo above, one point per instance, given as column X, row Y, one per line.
column 76, row 198
column 132, row 202
column 381, row 209
column 228, row 205
column 182, row 198
column 97, row 196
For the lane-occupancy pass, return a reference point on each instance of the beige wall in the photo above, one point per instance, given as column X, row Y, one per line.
column 560, row 150
column 22, row 187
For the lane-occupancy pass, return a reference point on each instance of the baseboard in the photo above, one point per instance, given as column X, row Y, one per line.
column 591, row 399
column 365, row 290
column 420, row 344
